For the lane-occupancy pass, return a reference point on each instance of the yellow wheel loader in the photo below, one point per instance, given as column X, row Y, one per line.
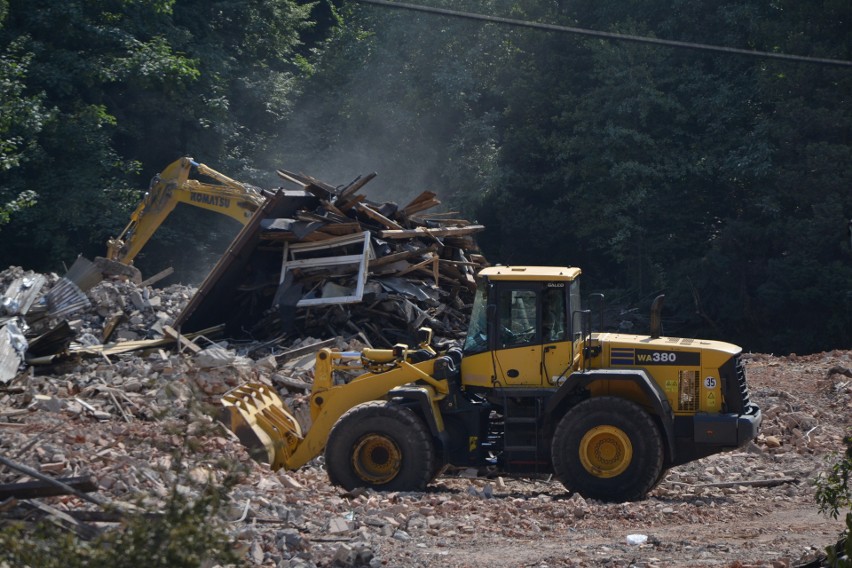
column 531, row 391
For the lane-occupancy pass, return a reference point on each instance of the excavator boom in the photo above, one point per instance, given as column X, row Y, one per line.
column 172, row 186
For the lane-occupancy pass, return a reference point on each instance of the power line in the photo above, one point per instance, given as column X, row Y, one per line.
column 605, row 35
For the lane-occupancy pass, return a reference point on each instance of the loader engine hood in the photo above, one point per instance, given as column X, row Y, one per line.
column 697, row 375
column 621, row 349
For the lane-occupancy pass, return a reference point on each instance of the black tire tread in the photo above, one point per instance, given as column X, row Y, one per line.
column 641, row 476
column 414, row 476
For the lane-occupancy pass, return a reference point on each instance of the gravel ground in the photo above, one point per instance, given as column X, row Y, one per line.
column 121, row 419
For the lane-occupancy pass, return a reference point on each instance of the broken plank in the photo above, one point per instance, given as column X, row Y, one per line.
column 424, row 196
column 31, row 489
column 64, row 520
column 68, row 490
column 344, row 207
column 332, row 209
column 376, row 216
column 288, row 177
column 340, row 229
column 319, row 192
column 157, row 277
column 433, row 261
column 751, row 482
column 437, row 232
column 182, row 341
column 425, row 219
column 353, row 187
column 299, row 351
column 413, row 208
column 402, row 255
column 111, row 324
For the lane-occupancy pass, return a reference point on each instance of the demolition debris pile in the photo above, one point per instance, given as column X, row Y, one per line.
column 324, row 261
column 316, row 261
column 128, row 428
column 98, row 346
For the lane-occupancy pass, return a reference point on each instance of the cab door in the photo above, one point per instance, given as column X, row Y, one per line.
column 558, row 351
column 517, row 345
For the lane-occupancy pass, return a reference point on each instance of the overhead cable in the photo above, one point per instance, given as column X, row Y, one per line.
column 606, row 35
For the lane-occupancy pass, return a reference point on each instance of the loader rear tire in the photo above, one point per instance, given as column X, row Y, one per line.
column 608, row 448
column 380, row 445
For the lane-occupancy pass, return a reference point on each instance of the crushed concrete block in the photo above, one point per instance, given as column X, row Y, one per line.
column 338, row 525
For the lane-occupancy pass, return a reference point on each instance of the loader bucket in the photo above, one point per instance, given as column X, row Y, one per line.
column 261, row 421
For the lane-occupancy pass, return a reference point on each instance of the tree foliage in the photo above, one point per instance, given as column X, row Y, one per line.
column 833, row 495
column 117, row 89
column 719, row 179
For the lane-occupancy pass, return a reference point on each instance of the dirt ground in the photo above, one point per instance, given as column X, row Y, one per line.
column 754, row 507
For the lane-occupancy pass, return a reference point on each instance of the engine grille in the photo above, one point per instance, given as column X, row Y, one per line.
column 736, row 387
column 688, row 391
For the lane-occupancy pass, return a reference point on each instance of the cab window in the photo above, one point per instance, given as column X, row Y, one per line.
column 555, row 318
column 477, row 332
column 518, row 311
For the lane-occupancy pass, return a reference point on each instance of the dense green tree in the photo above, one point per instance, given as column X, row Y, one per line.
column 21, row 118
column 719, row 179
column 120, row 88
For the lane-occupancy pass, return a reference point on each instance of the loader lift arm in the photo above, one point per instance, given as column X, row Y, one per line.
column 172, row 186
column 258, row 417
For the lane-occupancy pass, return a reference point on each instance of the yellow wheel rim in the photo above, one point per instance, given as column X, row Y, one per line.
column 606, row 451
column 376, row 459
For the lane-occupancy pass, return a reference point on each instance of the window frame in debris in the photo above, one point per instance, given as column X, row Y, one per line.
column 360, row 260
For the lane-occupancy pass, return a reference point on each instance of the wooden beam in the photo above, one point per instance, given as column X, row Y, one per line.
column 31, row 489
column 376, row 216
column 353, row 187
column 433, row 261
column 425, row 200
column 182, row 341
column 288, row 177
column 157, row 277
column 424, row 196
column 344, row 207
column 340, row 229
column 67, row 489
column 402, row 255
column 436, row 232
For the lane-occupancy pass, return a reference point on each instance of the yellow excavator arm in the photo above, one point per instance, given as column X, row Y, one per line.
column 172, row 186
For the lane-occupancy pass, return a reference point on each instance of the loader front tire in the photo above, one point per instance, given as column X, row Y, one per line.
column 608, row 448
column 380, row 445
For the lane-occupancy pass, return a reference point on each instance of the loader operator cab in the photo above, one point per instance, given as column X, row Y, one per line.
column 525, row 327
